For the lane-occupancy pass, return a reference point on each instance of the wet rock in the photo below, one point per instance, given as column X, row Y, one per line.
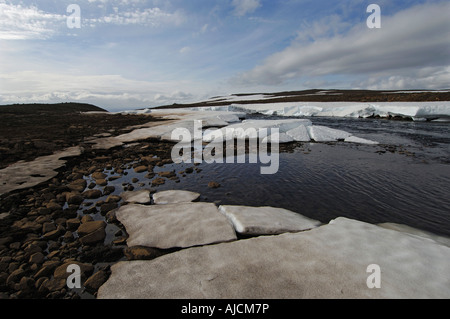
column 96, row 280
column 48, row 227
column 72, row 224
column 92, row 194
column 167, row 174
column 78, row 185
column 53, row 206
column 113, row 199
column 142, row 253
column 15, row 276
column 101, row 182
column 74, row 198
column 106, row 207
column 52, row 285
column 213, row 184
column 36, row 258
column 158, row 181
column 47, row 269
column 61, row 271
column 140, row 169
column 86, row 218
column 98, row 175
column 108, row 190
column 27, row 225
column 92, row 232
column 26, row 284
column 54, row 234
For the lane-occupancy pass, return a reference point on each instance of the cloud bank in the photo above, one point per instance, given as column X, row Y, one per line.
column 414, row 42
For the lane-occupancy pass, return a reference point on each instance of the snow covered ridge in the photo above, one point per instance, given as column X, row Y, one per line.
column 418, row 111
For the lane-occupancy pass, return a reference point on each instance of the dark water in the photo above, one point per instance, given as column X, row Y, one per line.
column 405, row 179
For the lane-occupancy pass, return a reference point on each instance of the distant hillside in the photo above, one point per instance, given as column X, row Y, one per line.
column 60, row 108
column 319, row 95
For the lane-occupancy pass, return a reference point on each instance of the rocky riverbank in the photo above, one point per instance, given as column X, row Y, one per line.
column 70, row 220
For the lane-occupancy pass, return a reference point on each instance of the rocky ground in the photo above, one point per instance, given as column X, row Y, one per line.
column 33, row 130
column 63, row 221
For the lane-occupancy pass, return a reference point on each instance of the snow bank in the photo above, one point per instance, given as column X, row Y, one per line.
column 414, row 110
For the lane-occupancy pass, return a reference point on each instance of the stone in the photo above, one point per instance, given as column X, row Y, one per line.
column 61, row 271
column 140, row 169
column 167, row 174
column 266, row 220
column 92, row 194
column 74, row 198
column 86, row 218
column 78, row 185
column 137, row 197
column 54, row 234
column 15, row 276
column 95, row 281
column 213, row 184
column 101, row 182
column 141, row 253
column 48, row 227
column 92, row 232
column 327, row 262
column 107, row 207
column 37, row 258
column 158, row 181
column 73, row 223
column 175, row 225
column 113, row 198
column 99, row 175
column 174, row 196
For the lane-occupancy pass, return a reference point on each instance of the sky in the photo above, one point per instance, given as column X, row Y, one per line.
column 129, row 54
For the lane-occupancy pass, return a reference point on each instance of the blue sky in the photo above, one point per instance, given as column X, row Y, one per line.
column 138, row 53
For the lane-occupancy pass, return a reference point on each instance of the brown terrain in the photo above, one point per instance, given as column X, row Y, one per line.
column 32, row 130
column 331, row 96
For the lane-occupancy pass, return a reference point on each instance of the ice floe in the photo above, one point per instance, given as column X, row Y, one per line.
column 266, row 220
column 174, row 197
column 175, row 225
column 328, row 261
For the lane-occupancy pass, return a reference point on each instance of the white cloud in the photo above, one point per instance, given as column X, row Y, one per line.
column 108, row 91
column 242, row 7
column 185, row 50
column 410, row 41
column 426, row 78
column 20, row 23
column 147, row 17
